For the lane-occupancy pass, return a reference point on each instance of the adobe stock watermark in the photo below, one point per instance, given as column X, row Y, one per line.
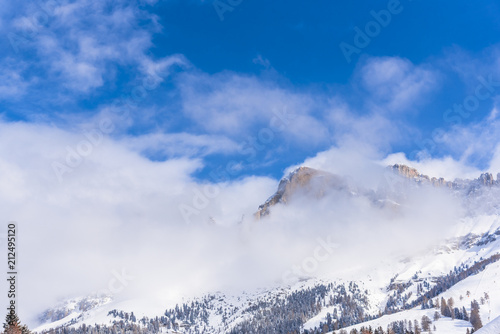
column 309, row 265
column 117, row 283
column 223, row 6
column 34, row 23
column 363, row 37
column 484, row 90
column 122, row 107
column 250, row 148
column 12, row 266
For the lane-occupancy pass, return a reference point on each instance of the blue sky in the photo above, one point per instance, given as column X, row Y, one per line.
column 208, row 80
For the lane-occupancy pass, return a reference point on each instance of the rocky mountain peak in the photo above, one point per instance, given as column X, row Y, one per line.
column 308, row 180
column 316, row 183
column 405, row 171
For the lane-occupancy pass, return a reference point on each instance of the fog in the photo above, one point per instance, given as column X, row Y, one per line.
column 120, row 212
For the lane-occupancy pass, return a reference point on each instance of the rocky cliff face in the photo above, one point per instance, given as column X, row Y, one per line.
column 485, row 179
column 308, row 180
column 412, row 173
column 316, row 183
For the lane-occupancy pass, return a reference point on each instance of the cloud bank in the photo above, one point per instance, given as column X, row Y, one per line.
column 119, row 211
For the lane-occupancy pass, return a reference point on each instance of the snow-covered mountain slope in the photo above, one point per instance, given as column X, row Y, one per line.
column 464, row 266
column 474, row 287
column 370, row 293
column 491, row 328
column 414, row 279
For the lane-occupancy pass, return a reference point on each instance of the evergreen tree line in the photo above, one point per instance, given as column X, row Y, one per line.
column 397, row 301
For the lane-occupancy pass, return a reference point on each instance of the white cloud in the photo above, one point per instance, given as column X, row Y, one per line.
column 395, row 83
column 264, row 62
column 446, row 167
column 181, row 144
column 494, row 165
column 82, row 42
column 118, row 209
column 373, row 129
column 162, row 67
column 12, row 83
column 472, row 144
column 115, row 209
column 469, row 66
column 235, row 105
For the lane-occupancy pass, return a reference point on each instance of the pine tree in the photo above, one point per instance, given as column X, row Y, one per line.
column 416, row 326
column 465, row 314
column 475, row 319
column 12, row 325
column 426, row 323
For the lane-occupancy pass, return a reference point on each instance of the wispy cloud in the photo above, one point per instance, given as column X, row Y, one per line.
column 233, row 104
column 396, row 84
column 167, row 145
column 82, row 43
column 13, row 81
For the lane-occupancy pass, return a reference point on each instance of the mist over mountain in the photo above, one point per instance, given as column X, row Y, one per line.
column 340, row 252
column 398, row 180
